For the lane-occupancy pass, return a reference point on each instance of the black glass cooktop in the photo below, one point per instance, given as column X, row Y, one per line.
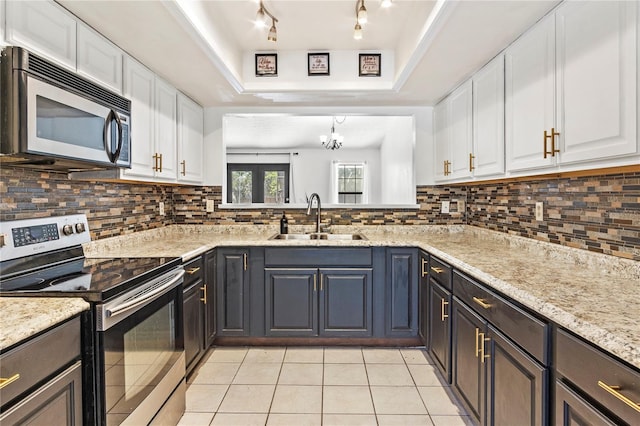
column 95, row 280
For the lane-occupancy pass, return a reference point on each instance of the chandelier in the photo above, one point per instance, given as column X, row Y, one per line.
column 334, row 139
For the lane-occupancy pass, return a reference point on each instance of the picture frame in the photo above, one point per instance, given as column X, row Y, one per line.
column 369, row 65
column 266, row 64
column 318, row 64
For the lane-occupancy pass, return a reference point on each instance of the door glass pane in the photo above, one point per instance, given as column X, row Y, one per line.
column 241, row 186
column 274, row 182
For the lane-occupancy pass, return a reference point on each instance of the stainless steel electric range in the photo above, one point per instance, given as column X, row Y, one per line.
column 133, row 336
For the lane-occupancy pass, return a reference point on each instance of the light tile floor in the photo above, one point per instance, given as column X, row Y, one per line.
column 298, row 386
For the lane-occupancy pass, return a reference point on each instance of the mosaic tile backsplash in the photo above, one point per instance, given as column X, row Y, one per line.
column 596, row 213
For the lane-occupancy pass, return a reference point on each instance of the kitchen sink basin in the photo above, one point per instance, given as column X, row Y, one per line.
column 318, row 236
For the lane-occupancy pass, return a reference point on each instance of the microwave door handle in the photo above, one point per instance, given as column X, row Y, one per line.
column 111, row 117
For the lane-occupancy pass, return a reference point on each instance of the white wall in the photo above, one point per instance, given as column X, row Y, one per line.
column 397, row 178
column 423, row 149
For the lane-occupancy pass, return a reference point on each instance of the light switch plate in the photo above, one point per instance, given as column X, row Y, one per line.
column 161, row 208
column 210, row 206
column 539, row 211
column 444, row 207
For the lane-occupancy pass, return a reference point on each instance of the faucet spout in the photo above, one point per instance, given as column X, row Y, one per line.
column 318, row 209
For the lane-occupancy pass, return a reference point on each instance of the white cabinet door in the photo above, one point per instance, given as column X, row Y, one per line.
column 44, row 28
column 529, row 96
column 461, row 133
column 190, row 140
column 441, row 140
column 139, row 88
column 99, row 59
column 2, row 23
column 488, row 119
column 165, row 130
column 596, row 79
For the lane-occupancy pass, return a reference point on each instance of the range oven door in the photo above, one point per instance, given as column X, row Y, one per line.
column 141, row 351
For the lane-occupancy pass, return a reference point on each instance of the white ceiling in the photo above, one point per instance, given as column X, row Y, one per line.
column 199, row 45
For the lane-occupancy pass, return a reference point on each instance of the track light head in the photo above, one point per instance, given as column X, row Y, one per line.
column 357, row 32
column 362, row 13
column 273, row 32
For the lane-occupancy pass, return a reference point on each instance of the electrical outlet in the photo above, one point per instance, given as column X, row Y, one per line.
column 445, row 207
column 210, row 206
column 539, row 211
column 461, row 206
column 161, row 208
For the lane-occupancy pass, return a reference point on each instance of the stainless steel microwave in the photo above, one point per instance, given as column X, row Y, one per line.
column 51, row 118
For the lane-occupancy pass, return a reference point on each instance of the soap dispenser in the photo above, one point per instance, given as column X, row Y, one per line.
column 284, row 224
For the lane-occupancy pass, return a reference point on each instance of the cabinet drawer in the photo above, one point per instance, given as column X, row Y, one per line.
column 523, row 328
column 193, row 271
column 440, row 272
column 308, row 256
column 591, row 369
column 39, row 358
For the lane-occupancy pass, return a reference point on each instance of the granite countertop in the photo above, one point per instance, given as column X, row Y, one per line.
column 593, row 295
column 22, row 317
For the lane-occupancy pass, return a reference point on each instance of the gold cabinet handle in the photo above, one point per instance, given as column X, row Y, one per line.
column 615, row 391
column 551, row 136
column 315, row 279
column 204, row 296
column 437, row 270
column 554, row 151
column 6, row 382
column 471, row 158
column 480, row 341
column 183, row 163
column 423, row 271
column 443, row 303
column 160, row 156
column 244, row 257
column 321, row 279
column 192, row 271
column 481, row 302
column 447, row 167
column 155, row 162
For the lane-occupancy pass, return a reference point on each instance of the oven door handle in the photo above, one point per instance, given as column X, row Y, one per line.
column 145, row 298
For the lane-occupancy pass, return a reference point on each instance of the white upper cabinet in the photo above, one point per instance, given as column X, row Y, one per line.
column 2, row 23
column 461, row 133
column 42, row 27
column 488, row 119
column 165, row 131
column 596, row 79
column 529, row 97
column 190, row 140
column 140, row 89
column 99, row 59
column 572, row 89
column 441, row 138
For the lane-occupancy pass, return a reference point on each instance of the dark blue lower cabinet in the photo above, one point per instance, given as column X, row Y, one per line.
column 497, row 382
column 401, row 293
column 439, row 328
column 304, row 302
column 232, row 287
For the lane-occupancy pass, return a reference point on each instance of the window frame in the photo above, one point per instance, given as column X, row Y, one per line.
column 365, row 181
column 257, row 185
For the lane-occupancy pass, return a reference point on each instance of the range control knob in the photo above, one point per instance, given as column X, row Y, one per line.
column 80, row 228
column 67, row 229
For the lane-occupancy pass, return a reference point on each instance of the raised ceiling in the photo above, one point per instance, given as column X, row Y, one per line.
column 202, row 46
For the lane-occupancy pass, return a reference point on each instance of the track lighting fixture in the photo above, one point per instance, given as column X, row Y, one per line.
column 261, row 21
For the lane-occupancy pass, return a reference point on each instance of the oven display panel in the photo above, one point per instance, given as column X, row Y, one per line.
column 34, row 234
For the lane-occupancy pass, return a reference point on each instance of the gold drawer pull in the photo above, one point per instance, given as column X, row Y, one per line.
column 192, row 271
column 480, row 341
column 615, row 391
column 424, row 263
column 437, row 270
column 6, row 382
column 204, row 296
column 244, row 257
column 481, row 302
column 443, row 303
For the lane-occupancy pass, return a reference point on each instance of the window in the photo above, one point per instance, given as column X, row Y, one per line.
column 257, row 183
column 351, row 183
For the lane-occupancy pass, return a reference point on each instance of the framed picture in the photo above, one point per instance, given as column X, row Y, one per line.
column 318, row 64
column 369, row 65
column 266, row 64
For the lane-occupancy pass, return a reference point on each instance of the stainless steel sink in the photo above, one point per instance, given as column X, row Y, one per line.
column 319, row 236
